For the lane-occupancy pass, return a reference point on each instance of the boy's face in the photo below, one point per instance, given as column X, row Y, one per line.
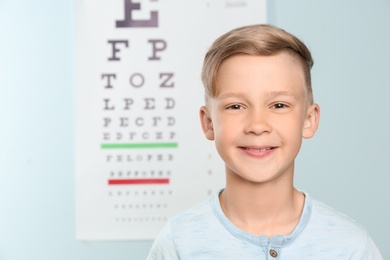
column 259, row 115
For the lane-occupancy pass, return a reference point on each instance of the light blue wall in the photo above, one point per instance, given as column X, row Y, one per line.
column 347, row 165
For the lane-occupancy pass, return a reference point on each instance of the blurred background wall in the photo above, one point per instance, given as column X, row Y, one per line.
column 346, row 165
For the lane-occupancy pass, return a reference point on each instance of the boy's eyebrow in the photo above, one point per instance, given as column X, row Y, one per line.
column 273, row 94
column 231, row 95
column 270, row 95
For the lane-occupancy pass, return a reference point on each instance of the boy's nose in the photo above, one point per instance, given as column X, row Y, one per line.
column 257, row 123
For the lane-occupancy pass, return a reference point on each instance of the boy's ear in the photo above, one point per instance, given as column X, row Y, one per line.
column 312, row 121
column 207, row 123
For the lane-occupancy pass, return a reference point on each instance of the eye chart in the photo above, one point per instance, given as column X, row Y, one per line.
column 140, row 152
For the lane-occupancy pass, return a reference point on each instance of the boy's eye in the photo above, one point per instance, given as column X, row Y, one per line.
column 235, row 106
column 279, row 105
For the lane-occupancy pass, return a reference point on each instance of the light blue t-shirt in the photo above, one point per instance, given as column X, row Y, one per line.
column 204, row 232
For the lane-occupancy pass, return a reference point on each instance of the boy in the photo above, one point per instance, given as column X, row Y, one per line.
column 259, row 106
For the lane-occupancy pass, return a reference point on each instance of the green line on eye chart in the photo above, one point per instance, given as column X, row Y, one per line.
column 139, row 145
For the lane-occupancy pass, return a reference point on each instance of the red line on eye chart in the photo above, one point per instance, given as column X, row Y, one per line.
column 138, row 181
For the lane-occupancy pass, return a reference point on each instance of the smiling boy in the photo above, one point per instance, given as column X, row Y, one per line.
column 259, row 106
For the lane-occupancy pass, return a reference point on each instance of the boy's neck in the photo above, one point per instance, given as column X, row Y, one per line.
column 269, row 209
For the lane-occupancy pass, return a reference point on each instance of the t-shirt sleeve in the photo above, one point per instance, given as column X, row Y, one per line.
column 163, row 247
column 372, row 252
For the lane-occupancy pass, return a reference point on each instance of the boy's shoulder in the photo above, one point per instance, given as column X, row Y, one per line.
column 324, row 216
column 185, row 233
column 193, row 218
column 336, row 233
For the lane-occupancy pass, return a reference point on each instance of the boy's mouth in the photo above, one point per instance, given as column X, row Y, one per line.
column 259, row 150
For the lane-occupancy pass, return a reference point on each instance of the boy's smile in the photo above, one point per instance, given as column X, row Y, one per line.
column 259, row 115
column 257, row 151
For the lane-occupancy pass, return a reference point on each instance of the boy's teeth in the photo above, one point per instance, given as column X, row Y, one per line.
column 259, row 150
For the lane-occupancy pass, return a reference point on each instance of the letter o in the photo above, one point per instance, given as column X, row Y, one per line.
column 137, row 80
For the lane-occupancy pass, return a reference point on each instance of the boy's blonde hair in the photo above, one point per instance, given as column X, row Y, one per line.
column 255, row 40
